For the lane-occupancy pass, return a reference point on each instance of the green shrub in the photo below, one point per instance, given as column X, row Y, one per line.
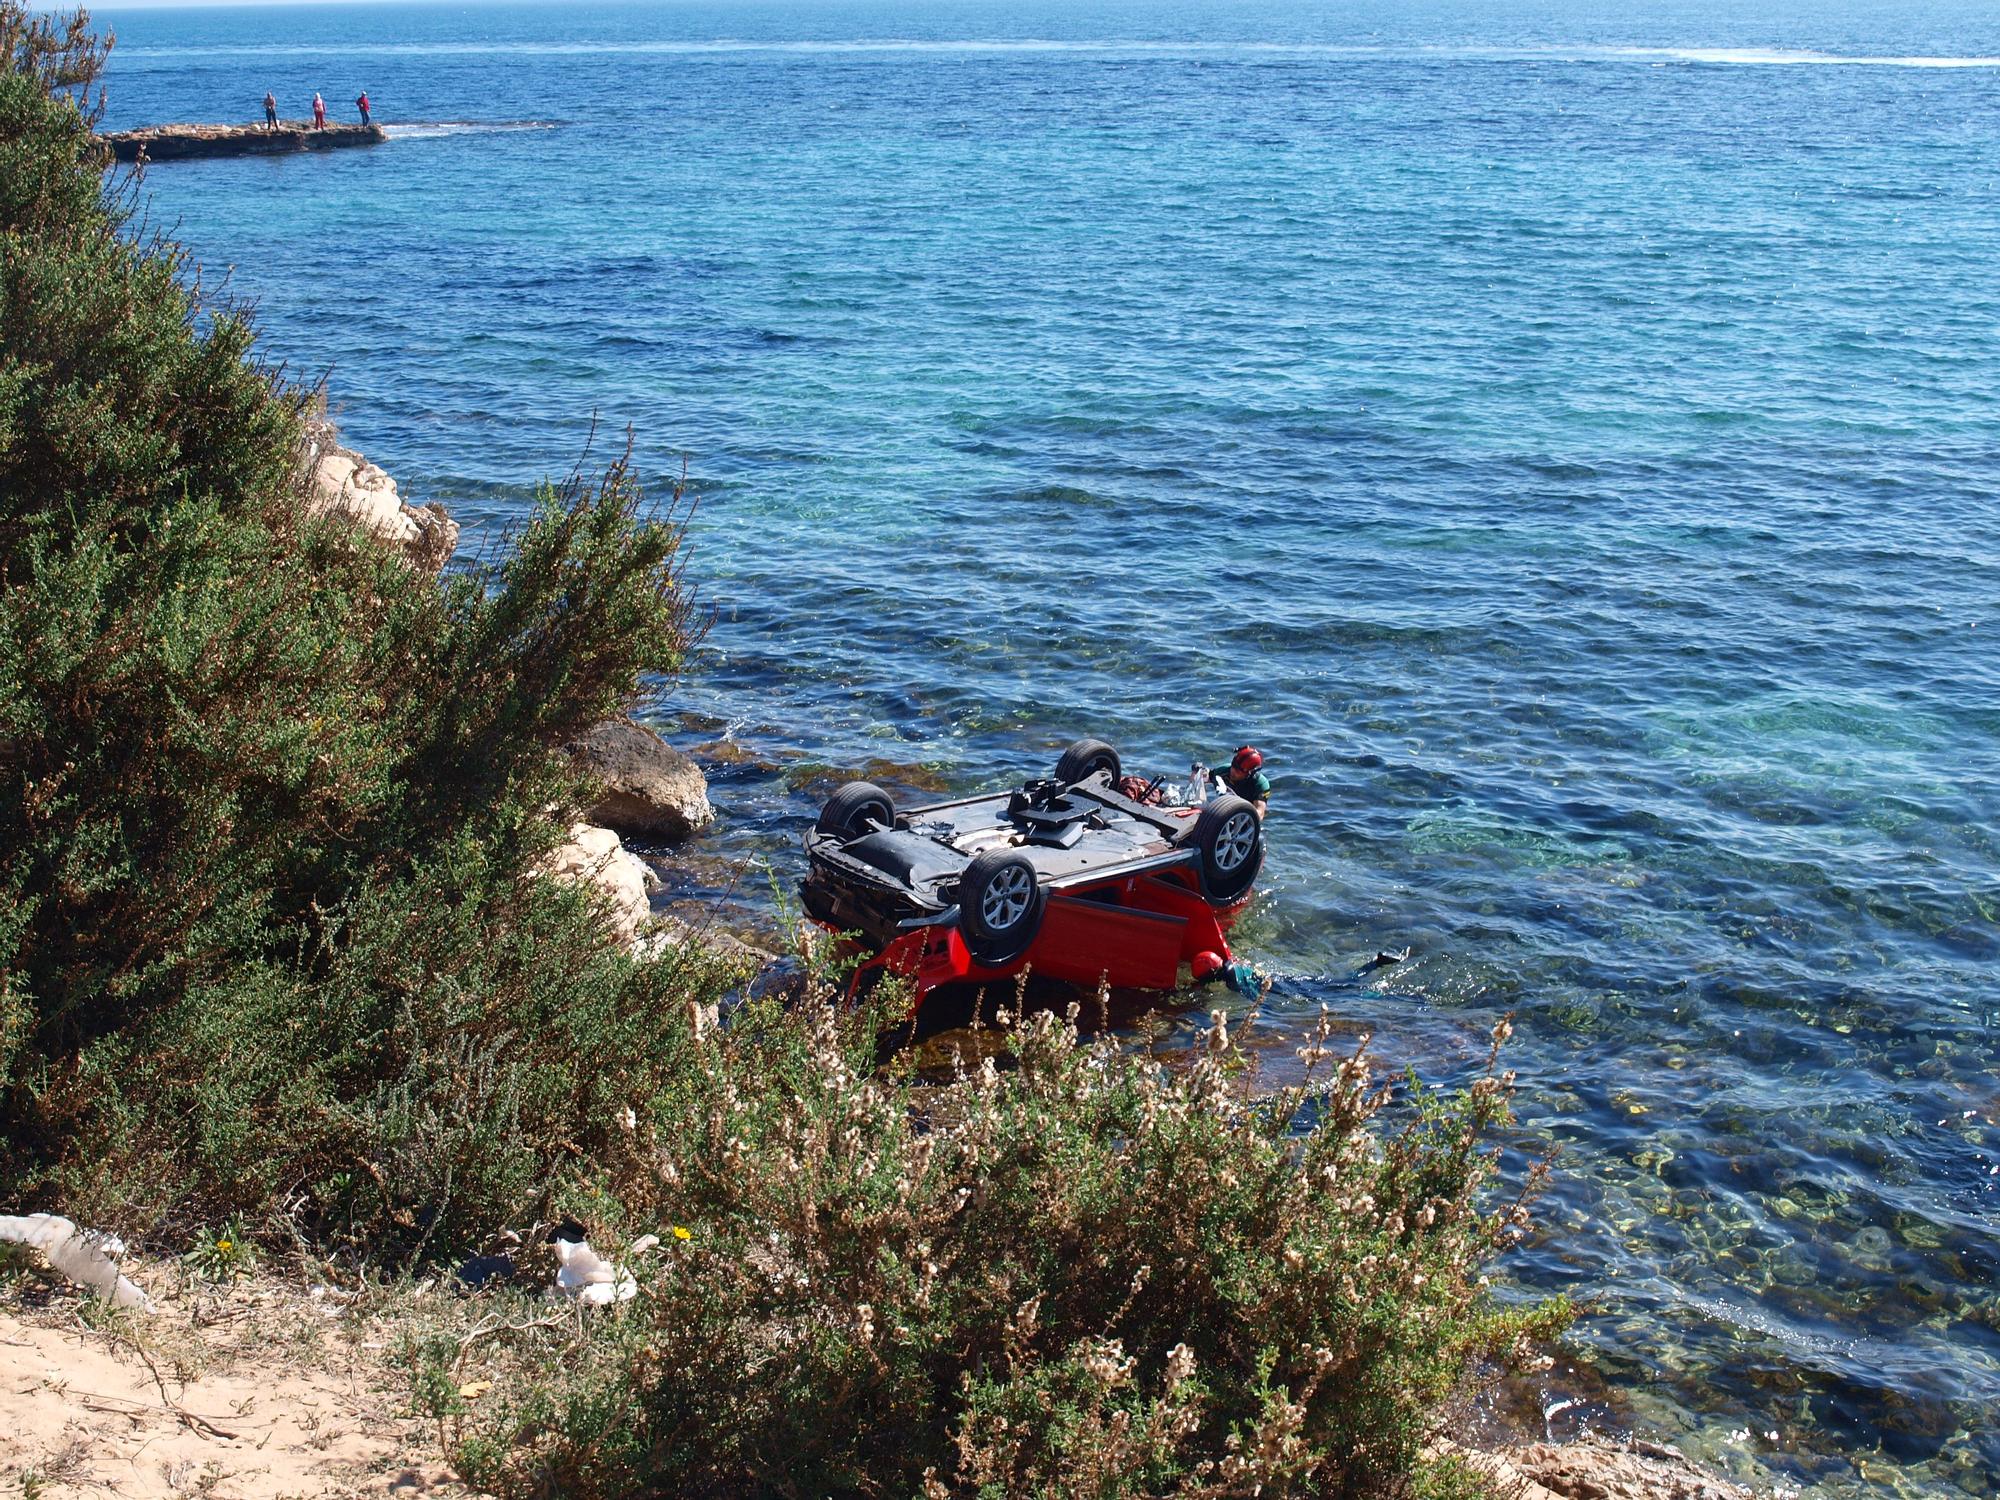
column 1079, row 1274
column 271, row 802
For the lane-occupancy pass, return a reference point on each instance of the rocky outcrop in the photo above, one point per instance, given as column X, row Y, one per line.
column 1595, row 1468
column 339, row 481
column 595, row 856
column 651, row 790
column 190, row 142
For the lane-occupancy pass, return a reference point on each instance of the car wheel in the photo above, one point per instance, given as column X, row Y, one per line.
column 1085, row 759
column 851, row 811
column 1230, row 836
column 999, row 907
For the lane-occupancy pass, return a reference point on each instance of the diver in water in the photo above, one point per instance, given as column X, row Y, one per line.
column 1245, row 777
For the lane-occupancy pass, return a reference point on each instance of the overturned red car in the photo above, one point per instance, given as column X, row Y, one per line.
column 1081, row 876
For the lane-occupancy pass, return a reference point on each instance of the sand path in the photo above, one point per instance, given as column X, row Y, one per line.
column 244, row 1397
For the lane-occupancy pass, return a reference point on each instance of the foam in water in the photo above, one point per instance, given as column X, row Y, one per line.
column 416, row 130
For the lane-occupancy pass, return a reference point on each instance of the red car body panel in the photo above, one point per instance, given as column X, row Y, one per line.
column 1134, row 933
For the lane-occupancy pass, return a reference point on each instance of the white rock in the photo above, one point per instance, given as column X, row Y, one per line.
column 341, row 482
column 344, row 483
column 595, row 856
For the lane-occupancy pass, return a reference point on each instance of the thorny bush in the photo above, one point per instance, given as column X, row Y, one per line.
column 1079, row 1274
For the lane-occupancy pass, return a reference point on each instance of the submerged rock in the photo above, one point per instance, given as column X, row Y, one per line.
column 672, row 932
column 1594, row 1468
column 812, row 779
column 735, row 755
column 339, row 481
column 651, row 790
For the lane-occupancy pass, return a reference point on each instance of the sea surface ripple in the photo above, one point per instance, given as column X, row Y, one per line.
column 1563, row 435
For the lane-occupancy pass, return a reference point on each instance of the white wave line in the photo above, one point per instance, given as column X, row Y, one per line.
column 1737, row 56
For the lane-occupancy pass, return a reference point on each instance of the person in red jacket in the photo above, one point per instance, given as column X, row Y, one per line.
column 362, row 105
column 319, row 113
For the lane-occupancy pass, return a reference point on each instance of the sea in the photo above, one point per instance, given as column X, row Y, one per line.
column 1564, row 436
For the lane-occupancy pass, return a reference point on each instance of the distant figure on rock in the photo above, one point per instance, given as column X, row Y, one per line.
column 319, row 113
column 270, row 110
column 362, row 105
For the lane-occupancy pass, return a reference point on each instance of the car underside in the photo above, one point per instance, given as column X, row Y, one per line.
column 1071, row 876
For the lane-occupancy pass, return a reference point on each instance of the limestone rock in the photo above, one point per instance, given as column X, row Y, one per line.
column 1594, row 1468
column 190, row 142
column 340, row 481
column 651, row 790
column 671, row 932
column 596, row 856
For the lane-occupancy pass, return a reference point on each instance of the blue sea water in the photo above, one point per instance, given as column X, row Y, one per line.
column 1566, row 436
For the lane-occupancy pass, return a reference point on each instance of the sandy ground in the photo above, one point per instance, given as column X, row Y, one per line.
column 235, row 1393
column 264, row 1390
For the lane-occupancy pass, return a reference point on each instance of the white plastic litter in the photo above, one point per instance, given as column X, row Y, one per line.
column 588, row 1277
column 86, row 1256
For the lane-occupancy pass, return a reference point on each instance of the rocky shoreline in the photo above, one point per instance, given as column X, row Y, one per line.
column 650, row 792
column 197, row 142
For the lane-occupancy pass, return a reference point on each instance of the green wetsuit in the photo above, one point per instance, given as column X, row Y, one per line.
column 1256, row 787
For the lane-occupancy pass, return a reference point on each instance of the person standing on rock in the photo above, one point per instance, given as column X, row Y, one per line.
column 319, row 113
column 362, row 105
column 270, row 110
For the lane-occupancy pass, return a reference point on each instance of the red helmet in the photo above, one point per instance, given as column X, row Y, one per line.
column 1247, row 758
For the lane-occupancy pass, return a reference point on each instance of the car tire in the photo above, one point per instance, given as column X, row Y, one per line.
column 849, row 811
column 1085, row 759
column 1000, row 905
column 1230, row 838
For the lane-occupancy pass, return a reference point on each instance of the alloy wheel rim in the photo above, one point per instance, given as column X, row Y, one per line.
column 1233, row 844
column 1005, row 899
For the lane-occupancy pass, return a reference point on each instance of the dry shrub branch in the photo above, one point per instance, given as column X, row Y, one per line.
column 1078, row 1274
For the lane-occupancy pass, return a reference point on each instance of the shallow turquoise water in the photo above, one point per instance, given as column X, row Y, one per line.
column 1564, row 436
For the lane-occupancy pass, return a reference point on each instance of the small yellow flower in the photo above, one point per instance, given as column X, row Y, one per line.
column 223, row 1247
column 683, row 1234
